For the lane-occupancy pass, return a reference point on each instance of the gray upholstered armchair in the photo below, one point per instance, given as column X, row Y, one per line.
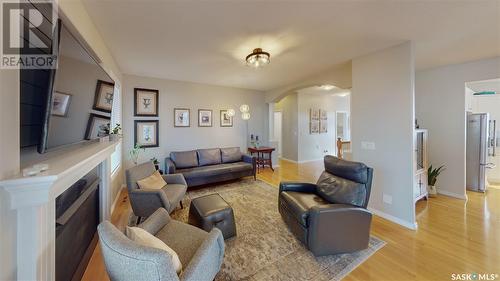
column 144, row 202
column 201, row 253
column 330, row 217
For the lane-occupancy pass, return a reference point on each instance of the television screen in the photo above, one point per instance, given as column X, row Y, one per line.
column 82, row 97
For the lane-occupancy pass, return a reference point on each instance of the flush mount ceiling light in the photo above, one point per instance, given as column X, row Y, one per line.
column 258, row 58
column 327, row 87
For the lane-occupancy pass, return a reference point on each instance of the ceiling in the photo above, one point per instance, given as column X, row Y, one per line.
column 492, row 85
column 317, row 90
column 207, row 41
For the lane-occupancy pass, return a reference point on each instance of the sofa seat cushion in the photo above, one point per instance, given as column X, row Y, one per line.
column 184, row 159
column 184, row 239
column 209, row 156
column 299, row 204
column 214, row 170
column 230, row 154
column 175, row 193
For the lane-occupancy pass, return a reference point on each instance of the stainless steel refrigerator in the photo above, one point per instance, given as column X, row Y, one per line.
column 481, row 145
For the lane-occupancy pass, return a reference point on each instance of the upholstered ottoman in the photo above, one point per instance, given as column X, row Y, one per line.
column 211, row 211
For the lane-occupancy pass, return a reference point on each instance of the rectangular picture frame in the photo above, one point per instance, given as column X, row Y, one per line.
column 146, row 102
column 60, row 104
column 96, row 126
column 146, row 133
column 103, row 97
column 182, row 117
column 205, row 118
column 225, row 119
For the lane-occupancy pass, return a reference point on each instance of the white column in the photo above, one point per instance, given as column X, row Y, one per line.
column 36, row 234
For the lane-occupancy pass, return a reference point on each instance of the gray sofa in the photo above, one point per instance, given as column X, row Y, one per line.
column 330, row 217
column 201, row 253
column 144, row 202
column 204, row 166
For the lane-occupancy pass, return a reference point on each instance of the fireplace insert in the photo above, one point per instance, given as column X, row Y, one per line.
column 77, row 217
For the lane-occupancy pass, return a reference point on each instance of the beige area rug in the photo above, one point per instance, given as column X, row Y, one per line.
column 264, row 248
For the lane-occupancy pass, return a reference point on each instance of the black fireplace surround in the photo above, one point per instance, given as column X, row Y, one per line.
column 77, row 217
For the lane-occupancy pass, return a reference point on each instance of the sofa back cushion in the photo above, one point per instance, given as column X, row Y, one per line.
column 230, row 154
column 184, row 159
column 209, row 156
column 339, row 190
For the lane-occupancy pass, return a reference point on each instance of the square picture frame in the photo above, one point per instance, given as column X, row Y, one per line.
column 97, row 126
column 205, row 117
column 146, row 102
column 182, row 117
column 103, row 97
column 60, row 104
column 146, row 133
column 225, row 119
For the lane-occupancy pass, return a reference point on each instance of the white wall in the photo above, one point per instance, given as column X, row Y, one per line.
column 9, row 128
column 382, row 112
column 440, row 108
column 290, row 146
column 176, row 94
column 316, row 146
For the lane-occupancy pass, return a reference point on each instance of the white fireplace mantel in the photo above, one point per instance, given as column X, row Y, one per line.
column 34, row 197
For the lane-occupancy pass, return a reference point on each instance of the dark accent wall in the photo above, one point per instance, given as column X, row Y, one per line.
column 34, row 90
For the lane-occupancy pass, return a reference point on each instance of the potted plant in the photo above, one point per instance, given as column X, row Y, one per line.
column 432, row 175
column 134, row 153
column 156, row 163
column 115, row 134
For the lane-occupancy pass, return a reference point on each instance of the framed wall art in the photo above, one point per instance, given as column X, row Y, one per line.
column 314, row 127
column 313, row 114
column 60, row 104
column 146, row 133
column 146, row 102
column 204, row 118
column 181, row 117
column 323, row 126
column 103, row 98
column 97, row 126
column 225, row 119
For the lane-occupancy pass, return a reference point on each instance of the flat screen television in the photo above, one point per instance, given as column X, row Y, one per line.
column 79, row 102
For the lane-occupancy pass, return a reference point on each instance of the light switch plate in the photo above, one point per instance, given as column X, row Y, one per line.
column 366, row 145
column 387, row 199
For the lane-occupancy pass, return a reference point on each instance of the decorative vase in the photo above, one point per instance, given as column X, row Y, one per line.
column 432, row 191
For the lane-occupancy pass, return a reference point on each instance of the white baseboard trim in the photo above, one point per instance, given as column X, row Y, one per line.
column 452, row 194
column 312, row 160
column 300, row 162
column 412, row 226
column 117, row 198
column 288, row 160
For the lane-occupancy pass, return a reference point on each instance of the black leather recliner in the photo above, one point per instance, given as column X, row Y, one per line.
column 330, row 217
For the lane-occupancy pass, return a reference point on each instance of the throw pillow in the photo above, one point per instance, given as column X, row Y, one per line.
column 155, row 181
column 145, row 238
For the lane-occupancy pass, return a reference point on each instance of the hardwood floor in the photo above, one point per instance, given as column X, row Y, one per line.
column 453, row 236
